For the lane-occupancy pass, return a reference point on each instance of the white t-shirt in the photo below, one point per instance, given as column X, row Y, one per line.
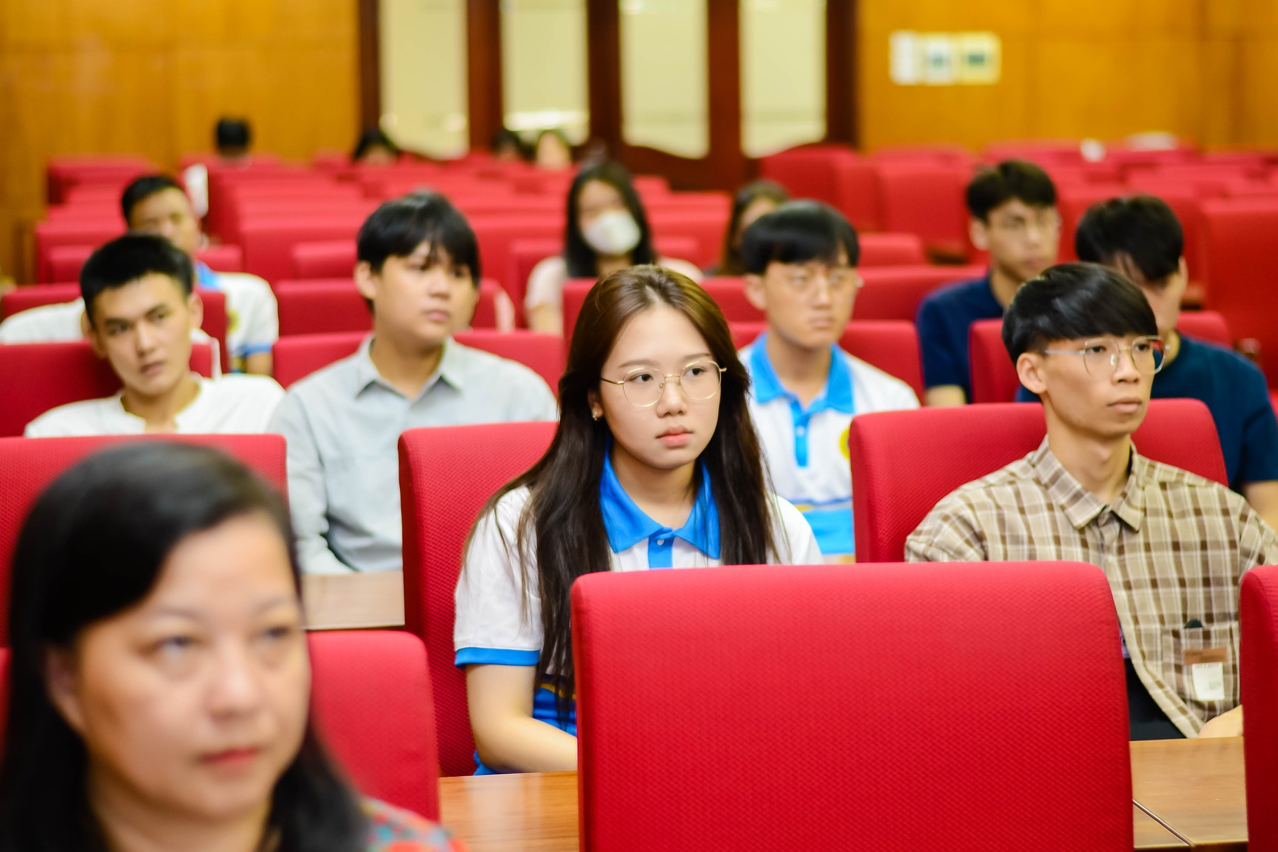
column 45, row 324
column 228, row 405
column 496, row 612
column 546, row 282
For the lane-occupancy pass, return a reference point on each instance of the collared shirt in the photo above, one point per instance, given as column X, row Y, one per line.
column 807, row 448
column 252, row 314
column 943, row 319
column 1173, row 545
column 343, row 425
column 499, row 618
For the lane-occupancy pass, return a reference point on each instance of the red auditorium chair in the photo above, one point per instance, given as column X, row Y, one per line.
column 1205, row 325
column 891, row 250
column 750, row 708
column 904, row 462
column 446, row 474
column 334, row 305
column 1045, row 152
column 834, row 174
column 894, row 292
column 35, row 377
column 299, row 355
column 335, row 259
column 268, row 243
column 890, row 345
column 370, row 694
column 65, row 261
column 496, row 235
column 927, row 199
column 235, row 215
column 49, row 235
column 66, row 171
column 1241, row 268
column 1258, row 674
column 28, row 465
column 706, row 227
column 994, row 376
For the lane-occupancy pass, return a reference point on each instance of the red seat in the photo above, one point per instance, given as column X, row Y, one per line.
column 325, row 205
column 1258, row 674
column 35, row 377
column 497, row 234
column 890, row 345
column 1242, row 267
column 750, row 708
column 834, row 174
column 904, row 462
column 927, row 199
column 446, row 474
column 50, row 235
column 370, row 694
column 705, row 227
column 268, row 242
column 334, row 305
column 894, row 292
column 892, row 250
column 298, row 356
column 334, row 259
column 28, row 465
column 70, row 170
column 994, row 376
column 1205, row 325
column 65, row 261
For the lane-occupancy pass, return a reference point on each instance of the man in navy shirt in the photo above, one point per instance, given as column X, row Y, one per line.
column 1014, row 218
column 1141, row 238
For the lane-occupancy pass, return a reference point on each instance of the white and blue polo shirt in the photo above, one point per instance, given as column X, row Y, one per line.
column 252, row 314
column 498, row 618
column 807, row 448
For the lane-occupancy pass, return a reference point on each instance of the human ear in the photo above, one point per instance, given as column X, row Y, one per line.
column 979, row 233
column 596, row 407
column 195, row 307
column 755, row 293
column 365, row 280
column 63, row 688
column 94, row 337
column 1029, row 369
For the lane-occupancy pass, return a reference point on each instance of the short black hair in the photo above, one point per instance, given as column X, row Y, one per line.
column 1141, row 227
column 1009, row 180
column 797, row 232
column 399, row 226
column 143, row 188
column 372, row 137
column 505, row 136
column 1073, row 301
column 232, row 133
column 129, row 258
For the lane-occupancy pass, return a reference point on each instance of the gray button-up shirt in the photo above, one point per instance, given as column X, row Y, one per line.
column 343, row 425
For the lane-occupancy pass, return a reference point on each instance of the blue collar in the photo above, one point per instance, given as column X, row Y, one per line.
column 205, row 277
column 627, row 525
column 837, row 394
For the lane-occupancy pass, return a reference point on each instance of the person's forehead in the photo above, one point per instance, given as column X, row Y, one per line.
column 428, row 249
column 599, row 192
column 658, row 335
column 1017, row 207
column 840, row 261
column 166, row 199
column 148, row 291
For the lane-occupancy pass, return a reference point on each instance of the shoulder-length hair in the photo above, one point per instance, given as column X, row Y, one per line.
column 730, row 262
column 578, row 254
column 94, row 545
column 563, row 513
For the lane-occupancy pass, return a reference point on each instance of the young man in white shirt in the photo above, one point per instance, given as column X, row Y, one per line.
column 140, row 309
column 419, row 271
column 156, row 204
column 800, row 262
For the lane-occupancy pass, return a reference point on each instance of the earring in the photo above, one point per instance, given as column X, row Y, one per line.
column 594, row 415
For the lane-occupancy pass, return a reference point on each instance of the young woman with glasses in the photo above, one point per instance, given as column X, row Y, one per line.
column 655, row 464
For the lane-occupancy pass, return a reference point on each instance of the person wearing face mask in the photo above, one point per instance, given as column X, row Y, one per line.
column 607, row 231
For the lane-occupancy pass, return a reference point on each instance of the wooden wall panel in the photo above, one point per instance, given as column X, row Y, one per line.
column 152, row 76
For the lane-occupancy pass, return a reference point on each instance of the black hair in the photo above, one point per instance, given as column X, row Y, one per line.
column 129, row 258
column 399, row 226
column 93, row 545
column 1075, row 301
column 232, row 133
column 798, row 232
column 1009, row 180
column 143, row 188
column 372, row 137
column 1141, row 229
column 578, row 254
column 730, row 261
column 505, row 136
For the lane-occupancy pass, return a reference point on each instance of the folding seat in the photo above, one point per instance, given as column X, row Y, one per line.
column 891, row 250
column 710, row 201
column 268, row 243
column 496, row 235
column 66, row 171
column 65, row 261
column 994, row 376
column 333, row 259
column 748, row 708
column 706, row 226
column 49, row 235
column 890, row 345
column 1205, row 325
column 1241, row 267
column 446, row 474
column 29, row 465
column 831, row 173
column 320, row 206
column 1258, row 675
column 927, row 199
column 1044, row 152
column 370, row 694
column 937, row 153
column 904, row 462
column 894, row 292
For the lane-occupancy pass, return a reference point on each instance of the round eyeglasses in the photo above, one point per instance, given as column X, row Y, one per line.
column 1100, row 356
column 699, row 380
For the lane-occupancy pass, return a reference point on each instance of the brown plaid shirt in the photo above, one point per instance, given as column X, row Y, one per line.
column 1173, row 545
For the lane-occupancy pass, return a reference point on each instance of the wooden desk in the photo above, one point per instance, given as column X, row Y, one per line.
column 335, row 601
column 1195, row 788
column 535, row 812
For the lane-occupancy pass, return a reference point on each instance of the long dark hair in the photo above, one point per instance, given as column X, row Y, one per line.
column 563, row 511
column 94, row 545
column 578, row 254
column 730, row 262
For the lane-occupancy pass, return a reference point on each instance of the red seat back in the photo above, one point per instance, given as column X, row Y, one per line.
column 370, row 694
column 446, row 474
column 268, row 242
column 892, row 250
column 333, row 305
column 300, row 355
column 892, row 346
column 905, row 462
column 701, row 228
column 53, row 234
column 35, row 377
column 28, row 465
column 770, row 661
column 65, row 261
column 1258, row 673
column 834, row 174
column 894, row 292
column 334, row 259
column 993, row 373
column 927, row 199
column 1242, row 267
column 1205, row 325
column 497, row 234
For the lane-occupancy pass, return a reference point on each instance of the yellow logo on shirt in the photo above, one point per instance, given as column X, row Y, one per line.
column 843, row 443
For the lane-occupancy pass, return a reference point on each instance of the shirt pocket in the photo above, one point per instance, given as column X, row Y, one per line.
column 1177, row 640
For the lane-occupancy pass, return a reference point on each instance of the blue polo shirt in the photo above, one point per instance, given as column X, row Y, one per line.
column 1236, row 393
column 943, row 319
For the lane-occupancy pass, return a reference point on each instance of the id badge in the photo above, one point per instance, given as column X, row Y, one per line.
column 1206, row 670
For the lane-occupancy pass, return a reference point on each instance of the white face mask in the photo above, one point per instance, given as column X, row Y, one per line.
column 613, row 233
